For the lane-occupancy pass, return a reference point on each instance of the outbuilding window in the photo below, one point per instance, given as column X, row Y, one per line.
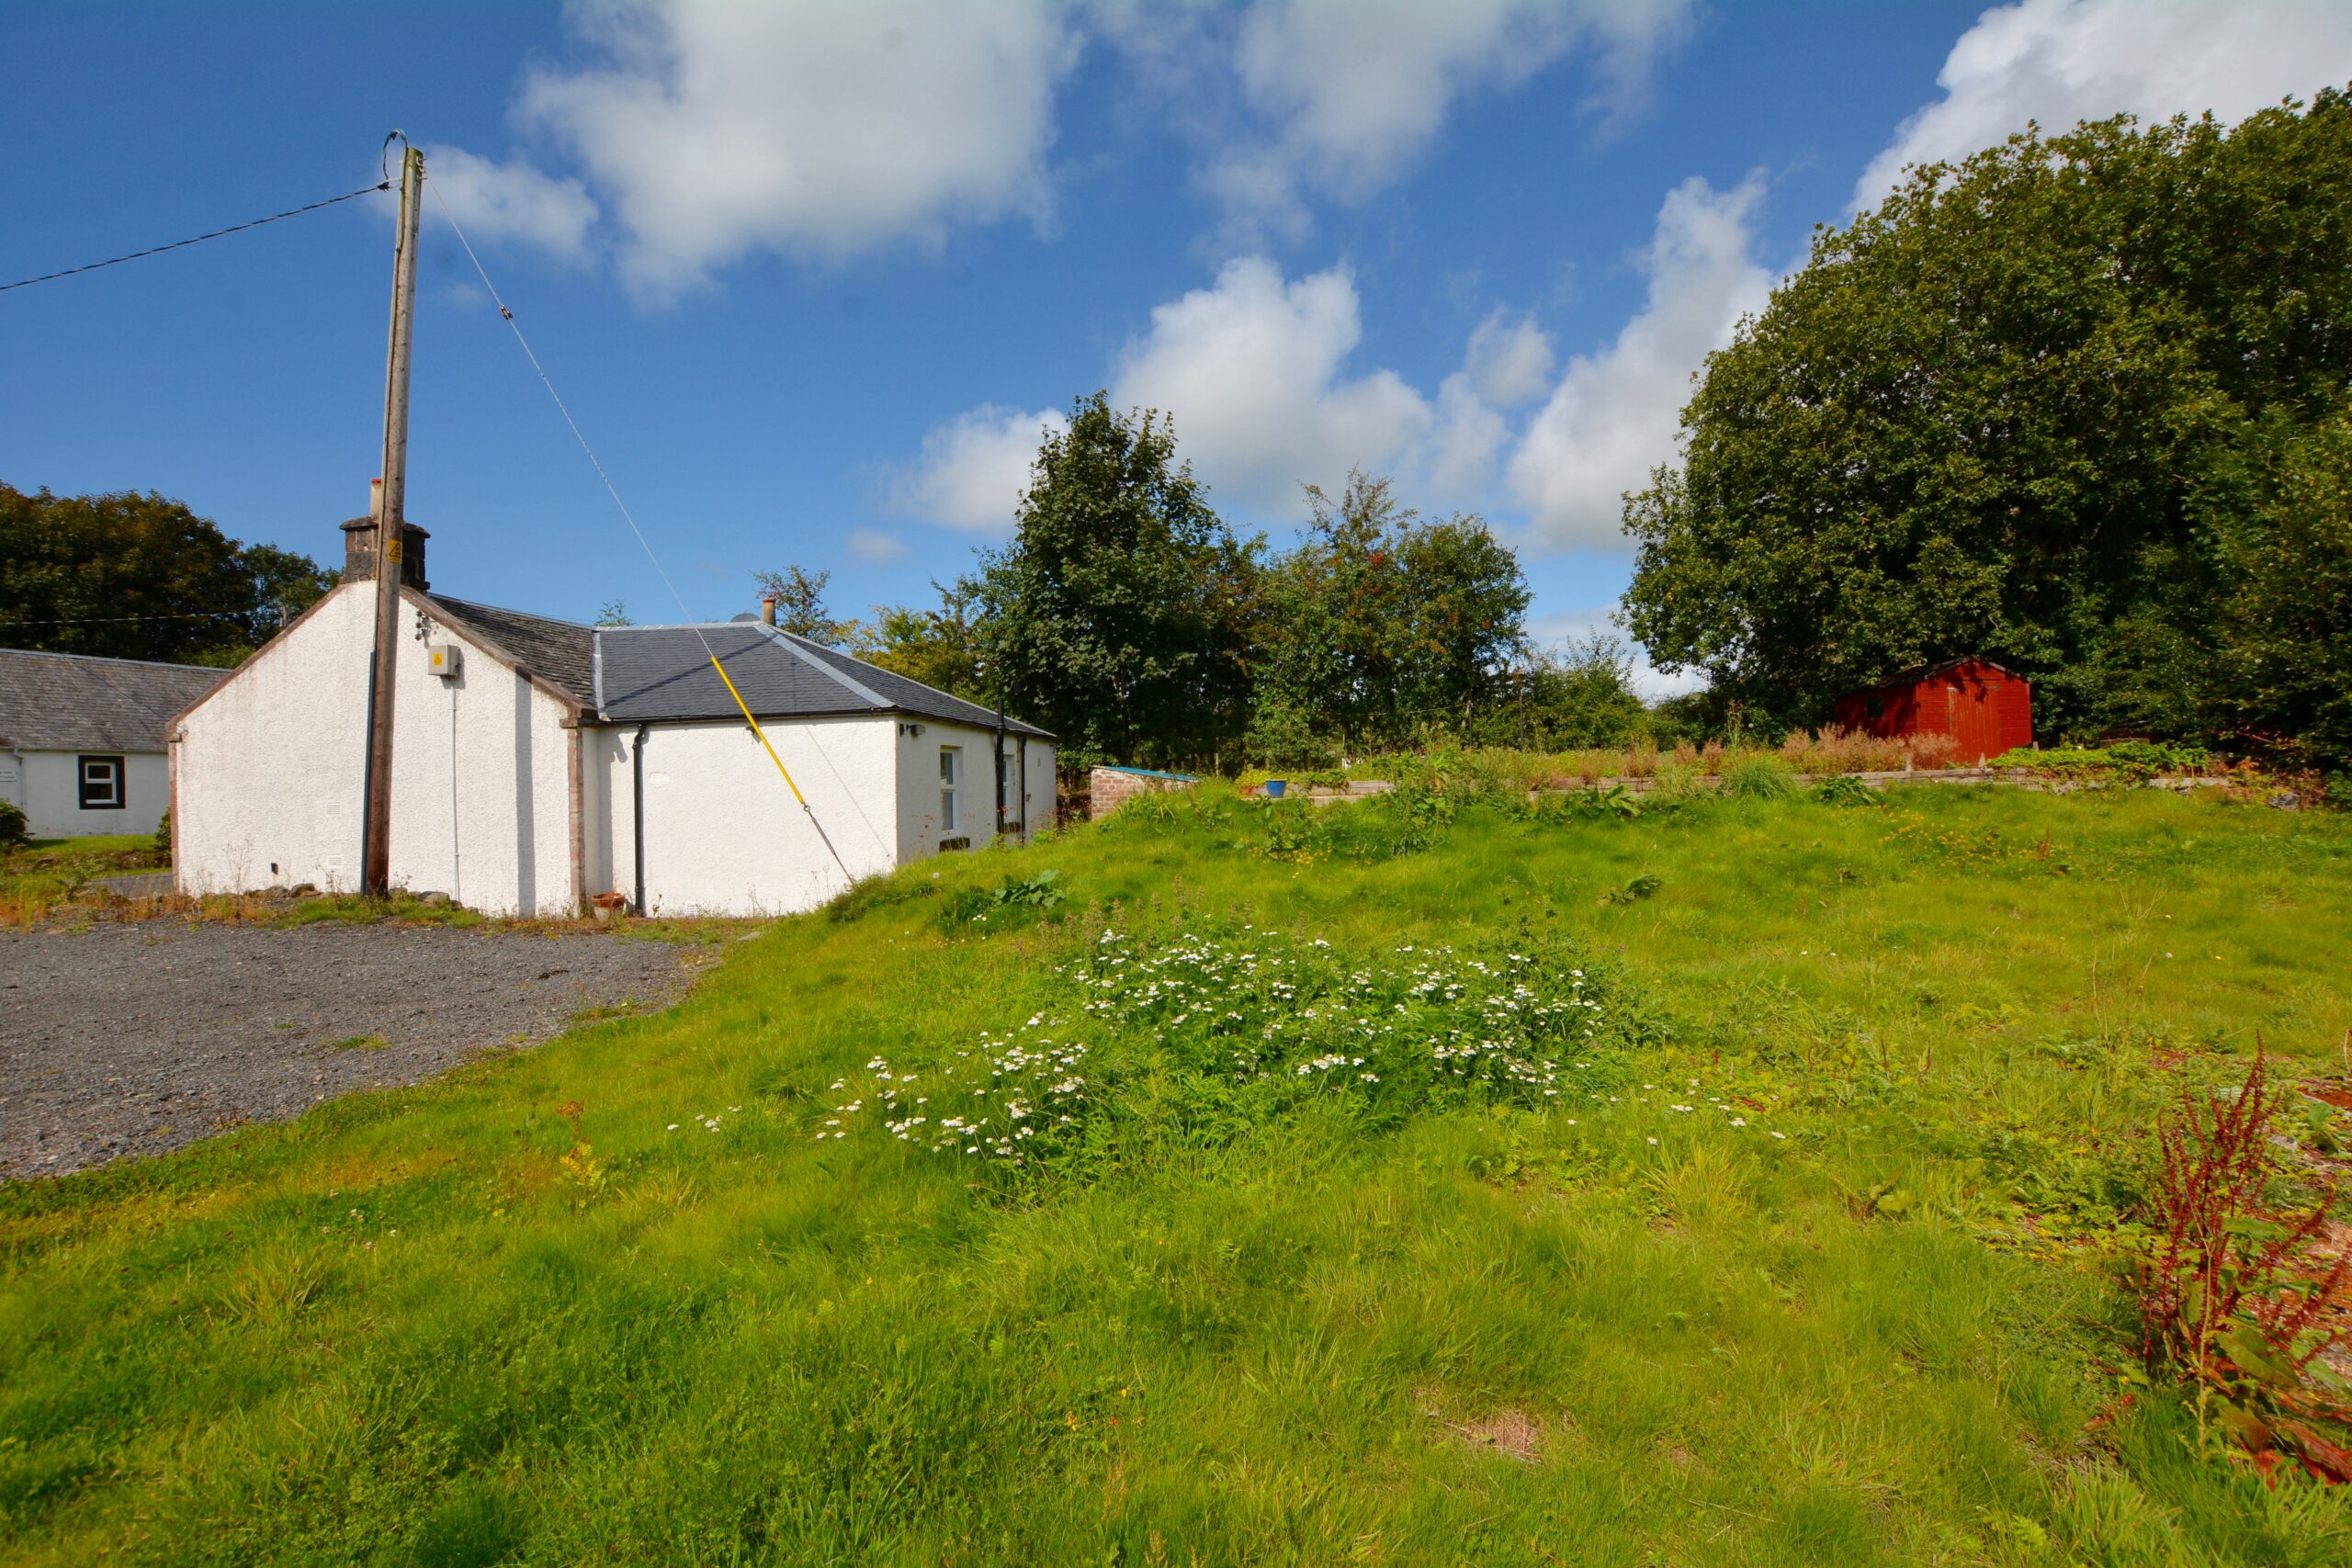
column 102, row 783
column 950, row 773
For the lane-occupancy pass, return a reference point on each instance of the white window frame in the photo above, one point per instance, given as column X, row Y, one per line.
column 117, row 782
column 951, row 780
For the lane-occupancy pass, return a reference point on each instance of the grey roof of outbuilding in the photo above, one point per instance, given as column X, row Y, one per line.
column 74, row 702
column 645, row 675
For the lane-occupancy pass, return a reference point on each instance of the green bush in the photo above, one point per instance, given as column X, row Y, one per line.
column 12, row 829
column 1845, row 789
column 1759, row 778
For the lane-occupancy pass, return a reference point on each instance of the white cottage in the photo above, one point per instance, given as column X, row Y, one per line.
column 82, row 739
column 537, row 762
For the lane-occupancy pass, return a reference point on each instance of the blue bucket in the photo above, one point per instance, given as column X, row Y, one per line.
column 1275, row 788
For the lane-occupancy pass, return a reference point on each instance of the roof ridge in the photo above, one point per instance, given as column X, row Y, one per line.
column 115, row 658
column 792, row 640
column 502, row 610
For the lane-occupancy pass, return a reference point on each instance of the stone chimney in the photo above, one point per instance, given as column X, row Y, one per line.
column 360, row 545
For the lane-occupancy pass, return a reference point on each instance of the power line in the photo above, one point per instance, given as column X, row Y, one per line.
column 112, row 620
column 178, row 244
column 683, row 614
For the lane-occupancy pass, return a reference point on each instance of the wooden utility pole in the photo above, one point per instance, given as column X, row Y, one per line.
column 391, row 522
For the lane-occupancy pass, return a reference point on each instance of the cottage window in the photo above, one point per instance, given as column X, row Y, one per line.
column 951, row 773
column 102, row 783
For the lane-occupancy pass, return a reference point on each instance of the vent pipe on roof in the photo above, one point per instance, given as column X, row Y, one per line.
column 767, row 609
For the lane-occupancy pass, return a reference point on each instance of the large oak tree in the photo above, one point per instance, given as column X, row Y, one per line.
column 2040, row 406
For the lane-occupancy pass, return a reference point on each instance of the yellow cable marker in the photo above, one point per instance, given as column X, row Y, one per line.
column 762, row 734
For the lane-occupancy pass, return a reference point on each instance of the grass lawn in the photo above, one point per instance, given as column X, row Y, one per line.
column 1738, row 1222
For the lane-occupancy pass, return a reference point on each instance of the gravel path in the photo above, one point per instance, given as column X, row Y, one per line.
column 141, row 1036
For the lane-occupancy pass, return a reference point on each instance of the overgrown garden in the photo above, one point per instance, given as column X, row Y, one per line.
column 1748, row 1176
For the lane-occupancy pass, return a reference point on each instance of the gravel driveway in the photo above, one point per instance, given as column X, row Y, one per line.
column 141, row 1036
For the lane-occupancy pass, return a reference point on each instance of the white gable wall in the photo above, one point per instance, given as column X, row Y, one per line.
column 270, row 771
column 268, row 766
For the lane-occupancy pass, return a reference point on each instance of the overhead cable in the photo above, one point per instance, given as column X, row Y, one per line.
column 180, row 245
column 683, row 614
column 111, row 620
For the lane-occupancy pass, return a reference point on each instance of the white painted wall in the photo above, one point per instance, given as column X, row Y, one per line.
column 48, row 785
column 269, row 763
column 481, row 793
column 723, row 836
column 270, row 771
column 920, row 826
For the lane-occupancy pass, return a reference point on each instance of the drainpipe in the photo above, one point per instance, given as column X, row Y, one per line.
column 637, row 770
column 1023, row 743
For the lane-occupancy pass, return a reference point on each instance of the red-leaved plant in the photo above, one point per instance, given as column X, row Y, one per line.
column 2241, row 1298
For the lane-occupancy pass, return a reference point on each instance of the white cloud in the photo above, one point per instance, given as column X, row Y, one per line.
column 1344, row 94
column 1456, row 464
column 1252, row 371
column 2063, row 60
column 1613, row 416
column 973, row 468
column 821, row 130
column 874, row 546
column 496, row 203
column 1509, row 361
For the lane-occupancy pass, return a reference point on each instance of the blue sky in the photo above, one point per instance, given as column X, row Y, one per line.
column 812, row 276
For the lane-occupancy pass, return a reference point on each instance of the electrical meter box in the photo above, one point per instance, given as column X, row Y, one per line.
column 443, row 659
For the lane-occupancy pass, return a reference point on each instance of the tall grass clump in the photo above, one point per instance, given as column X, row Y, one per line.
column 1759, row 778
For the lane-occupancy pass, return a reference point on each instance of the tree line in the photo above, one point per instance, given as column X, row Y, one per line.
column 133, row 576
column 2081, row 404
column 1128, row 617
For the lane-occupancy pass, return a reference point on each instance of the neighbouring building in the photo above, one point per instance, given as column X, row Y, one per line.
column 1985, row 708
column 538, row 763
column 82, row 739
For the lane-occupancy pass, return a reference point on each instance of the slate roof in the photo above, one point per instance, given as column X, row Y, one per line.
column 645, row 675
column 73, row 702
column 658, row 674
column 560, row 652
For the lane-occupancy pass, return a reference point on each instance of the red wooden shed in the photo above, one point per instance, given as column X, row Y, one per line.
column 1988, row 710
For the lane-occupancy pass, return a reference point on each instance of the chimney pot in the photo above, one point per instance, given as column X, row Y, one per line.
column 375, row 498
column 767, row 609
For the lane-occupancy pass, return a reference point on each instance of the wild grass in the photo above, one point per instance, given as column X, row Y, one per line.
column 43, row 874
column 1827, row 751
column 648, row 1293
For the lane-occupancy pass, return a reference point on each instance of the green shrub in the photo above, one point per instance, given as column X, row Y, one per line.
column 164, row 837
column 1759, row 778
column 1015, row 901
column 13, row 823
column 2130, row 762
column 1845, row 789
